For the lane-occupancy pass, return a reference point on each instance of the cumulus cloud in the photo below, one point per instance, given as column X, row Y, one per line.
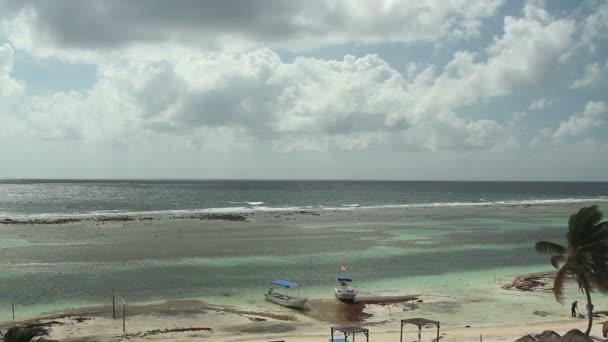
column 580, row 123
column 541, row 103
column 286, row 24
column 255, row 98
column 236, row 99
column 526, row 55
column 595, row 27
column 591, row 76
column 226, row 99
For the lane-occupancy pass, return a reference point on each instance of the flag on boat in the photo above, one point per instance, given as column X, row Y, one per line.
column 343, row 267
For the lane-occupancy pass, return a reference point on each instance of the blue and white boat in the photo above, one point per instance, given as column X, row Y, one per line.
column 283, row 298
column 344, row 291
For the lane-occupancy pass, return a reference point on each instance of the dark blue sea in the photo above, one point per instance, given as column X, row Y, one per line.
column 90, row 197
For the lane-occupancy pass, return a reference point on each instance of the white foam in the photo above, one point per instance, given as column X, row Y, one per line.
column 257, row 207
column 255, row 203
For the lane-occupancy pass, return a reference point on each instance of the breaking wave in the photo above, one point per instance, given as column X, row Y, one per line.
column 252, row 207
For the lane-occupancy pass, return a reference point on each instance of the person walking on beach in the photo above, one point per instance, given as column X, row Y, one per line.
column 574, row 308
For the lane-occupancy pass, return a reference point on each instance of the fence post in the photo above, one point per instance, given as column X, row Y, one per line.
column 113, row 304
column 13, row 307
column 124, row 314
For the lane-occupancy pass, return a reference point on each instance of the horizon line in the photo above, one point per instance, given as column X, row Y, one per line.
column 300, row 180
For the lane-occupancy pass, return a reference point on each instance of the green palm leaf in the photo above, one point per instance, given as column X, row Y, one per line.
column 549, row 248
column 558, row 285
column 557, row 259
column 586, row 257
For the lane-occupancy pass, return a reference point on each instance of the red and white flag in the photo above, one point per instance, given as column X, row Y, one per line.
column 343, row 267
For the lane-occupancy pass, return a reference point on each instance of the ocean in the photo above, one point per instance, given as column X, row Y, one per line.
column 440, row 239
column 94, row 197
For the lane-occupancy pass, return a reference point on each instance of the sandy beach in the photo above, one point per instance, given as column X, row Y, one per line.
column 190, row 278
column 192, row 320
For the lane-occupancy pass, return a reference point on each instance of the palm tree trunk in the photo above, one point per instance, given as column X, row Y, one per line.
column 589, row 306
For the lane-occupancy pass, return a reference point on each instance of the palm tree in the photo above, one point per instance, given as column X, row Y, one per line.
column 27, row 333
column 585, row 258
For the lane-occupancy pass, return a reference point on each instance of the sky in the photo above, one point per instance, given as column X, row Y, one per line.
column 318, row 89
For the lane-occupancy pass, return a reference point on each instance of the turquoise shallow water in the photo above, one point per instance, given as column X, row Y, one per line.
column 450, row 253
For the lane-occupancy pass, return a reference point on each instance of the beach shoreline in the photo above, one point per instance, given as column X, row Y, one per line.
column 190, row 320
column 202, row 274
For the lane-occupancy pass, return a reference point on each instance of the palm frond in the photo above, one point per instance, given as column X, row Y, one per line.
column 599, row 234
column 583, row 223
column 594, row 248
column 557, row 259
column 558, row 284
column 599, row 272
column 548, row 247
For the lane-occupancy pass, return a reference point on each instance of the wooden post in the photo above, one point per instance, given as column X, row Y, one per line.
column 480, row 338
column 438, row 324
column 13, row 307
column 113, row 304
column 494, row 277
column 124, row 314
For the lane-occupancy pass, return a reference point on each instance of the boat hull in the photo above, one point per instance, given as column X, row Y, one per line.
column 292, row 302
column 348, row 295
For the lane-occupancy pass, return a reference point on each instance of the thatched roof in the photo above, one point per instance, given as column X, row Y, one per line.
column 421, row 322
column 576, row 335
column 526, row 338
column 549, row 336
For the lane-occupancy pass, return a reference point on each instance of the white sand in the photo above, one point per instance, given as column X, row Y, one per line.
column 269, row 323
column 226, row 328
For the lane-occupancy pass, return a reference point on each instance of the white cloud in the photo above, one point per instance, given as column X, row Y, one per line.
column 591, row 76
column 9, row 87
column 219, row 100
column 228, row 99
column 527, row 55
column 595, row 27
column 540, row 103
column 43, row 27
column 580, row 123
column 166, row 94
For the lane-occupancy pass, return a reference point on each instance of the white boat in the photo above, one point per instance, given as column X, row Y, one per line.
column 285, row 299
column 344, row 291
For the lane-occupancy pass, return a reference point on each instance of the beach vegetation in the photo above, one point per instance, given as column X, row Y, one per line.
column 585, row 257
column 26, row 333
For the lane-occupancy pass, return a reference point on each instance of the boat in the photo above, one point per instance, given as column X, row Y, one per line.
column 285, row 299
column 344, row 291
